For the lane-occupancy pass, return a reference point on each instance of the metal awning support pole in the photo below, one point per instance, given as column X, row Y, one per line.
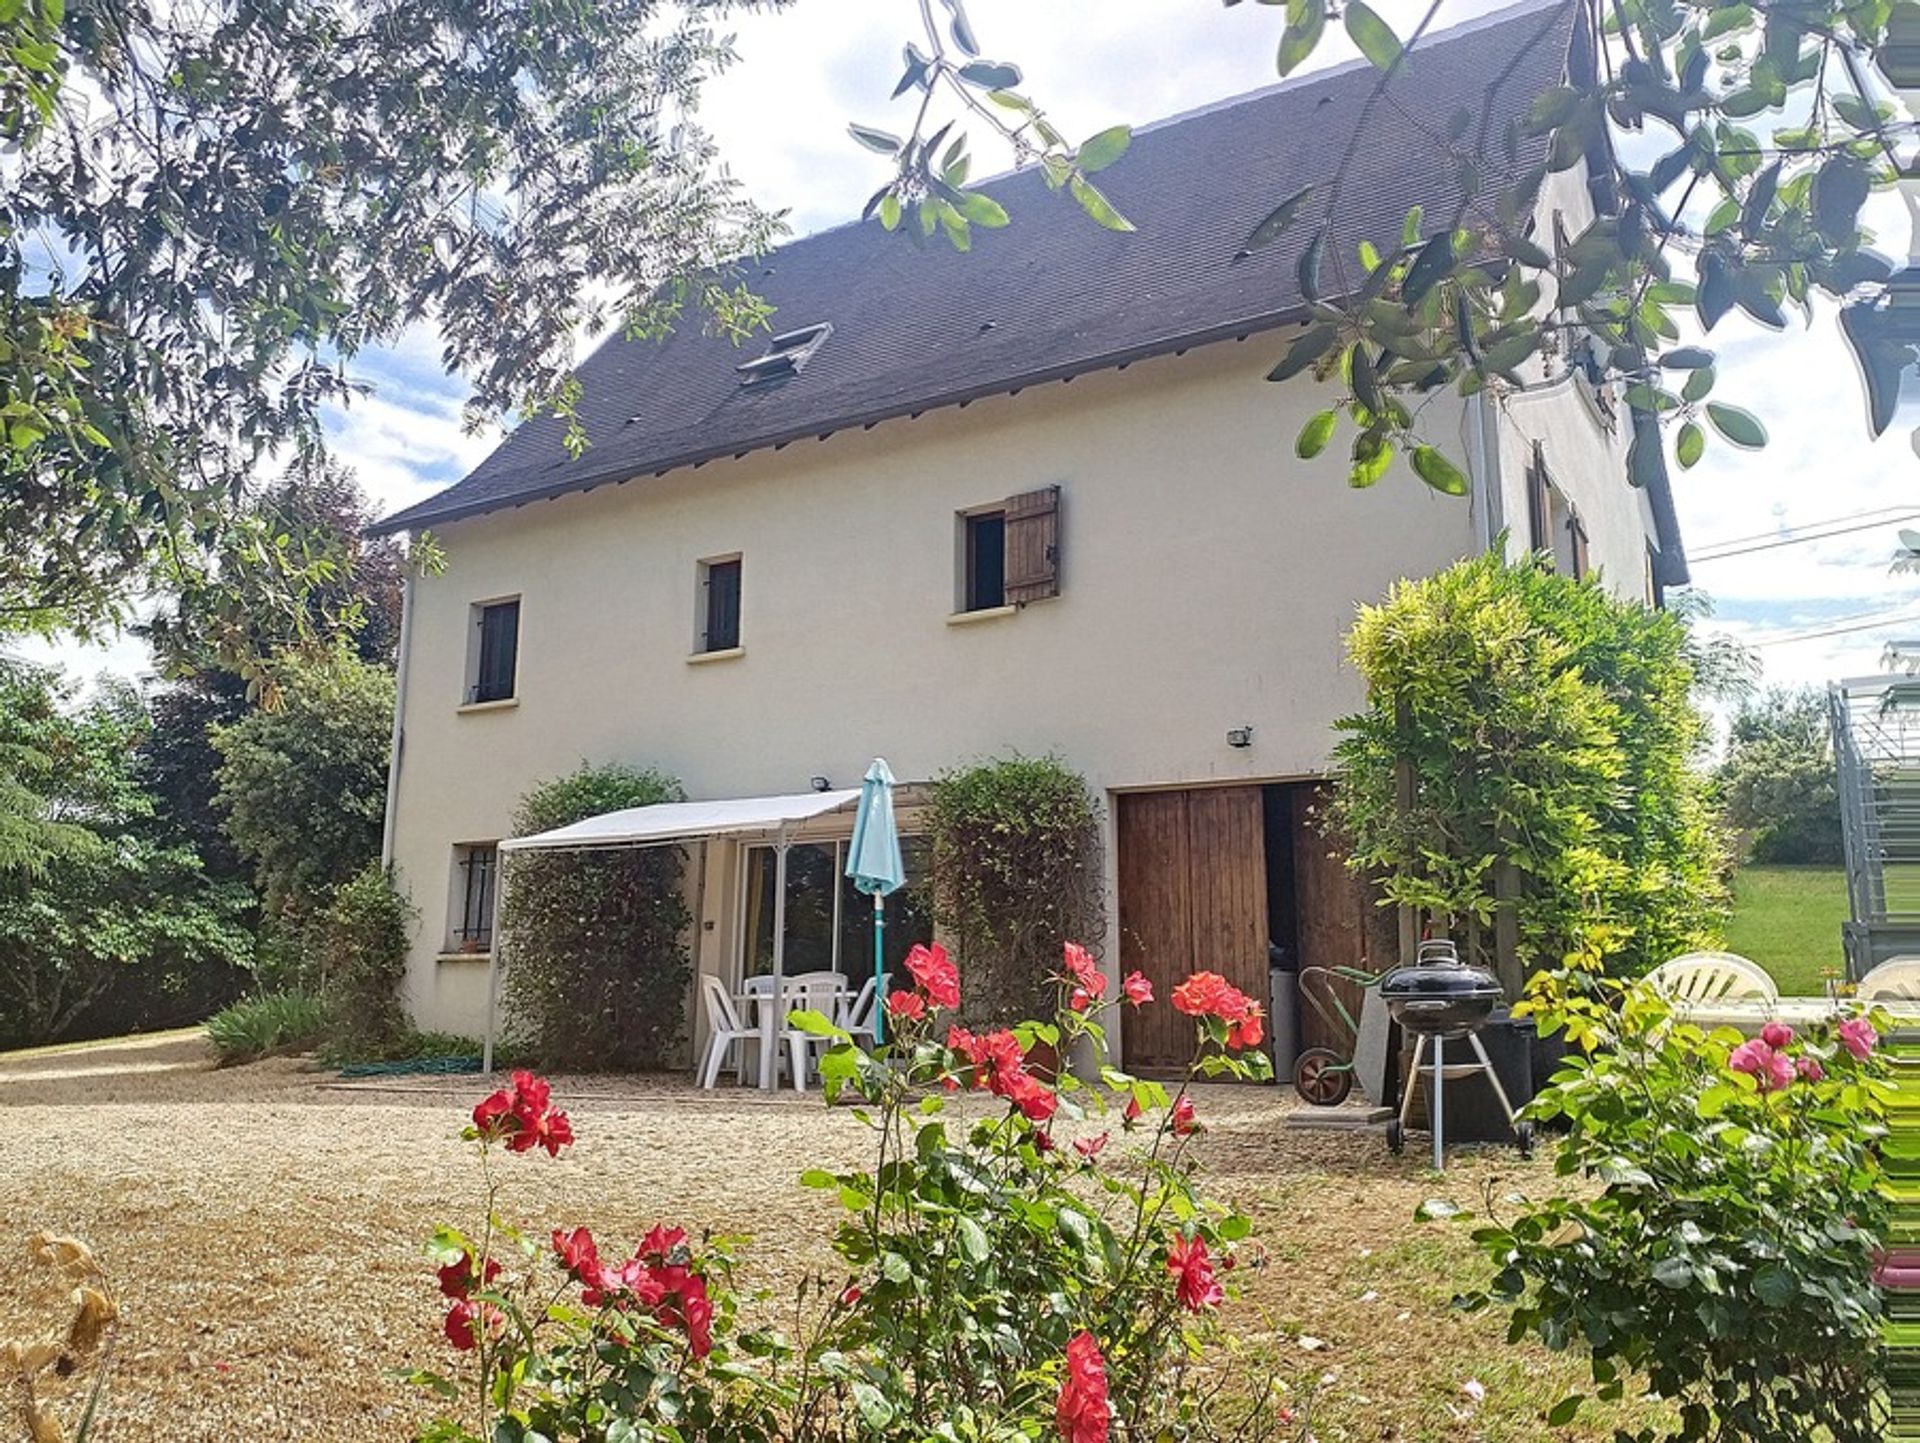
column 773, row 1013
column 495, row 942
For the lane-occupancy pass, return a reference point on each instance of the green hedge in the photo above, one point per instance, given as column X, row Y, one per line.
column 595, row 943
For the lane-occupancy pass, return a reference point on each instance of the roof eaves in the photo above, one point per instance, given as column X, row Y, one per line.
column 428, row 512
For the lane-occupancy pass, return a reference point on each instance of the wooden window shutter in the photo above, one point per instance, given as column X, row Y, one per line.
column 1577, row 531
column 1033, row 545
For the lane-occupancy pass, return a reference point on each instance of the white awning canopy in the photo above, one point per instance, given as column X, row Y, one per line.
column 669, row 822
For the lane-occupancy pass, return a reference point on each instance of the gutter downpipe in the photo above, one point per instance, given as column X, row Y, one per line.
column 398, row 744
column 1483, row 467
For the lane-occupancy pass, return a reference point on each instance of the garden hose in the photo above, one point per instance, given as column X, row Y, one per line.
column 410, row 1065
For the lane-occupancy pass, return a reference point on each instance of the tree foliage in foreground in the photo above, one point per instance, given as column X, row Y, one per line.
column 1774, row 130
column 1544, row 726
column 209, row 210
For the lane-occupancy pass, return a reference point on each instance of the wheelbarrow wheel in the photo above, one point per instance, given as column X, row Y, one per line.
column 1322, row 1077
column 1396, row 1137
column 1523, row 1135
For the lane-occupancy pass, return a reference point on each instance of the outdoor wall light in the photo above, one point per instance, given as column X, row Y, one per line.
column 1239, row 736
column 821, row 784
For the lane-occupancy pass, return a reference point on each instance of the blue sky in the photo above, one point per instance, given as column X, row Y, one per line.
column 780, row 117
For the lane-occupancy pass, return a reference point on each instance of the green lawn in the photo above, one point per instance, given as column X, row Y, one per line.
column 1788, row 920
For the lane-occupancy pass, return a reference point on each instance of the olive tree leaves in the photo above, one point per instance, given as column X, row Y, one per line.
column 1777, row 139
column 927, row 195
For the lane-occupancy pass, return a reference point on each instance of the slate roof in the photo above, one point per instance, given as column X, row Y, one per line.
column 1052, row 295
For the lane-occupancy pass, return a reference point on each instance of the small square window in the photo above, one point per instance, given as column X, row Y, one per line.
column 986, row 561
column 470, row 925
column 719, row 605
column 493, row 657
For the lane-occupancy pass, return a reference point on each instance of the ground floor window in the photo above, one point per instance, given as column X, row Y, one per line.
column 475, row 867
column 829, row 923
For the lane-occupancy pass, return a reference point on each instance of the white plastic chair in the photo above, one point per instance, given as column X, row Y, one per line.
column 857, row 1011
column 808, row 992
column 1895, row 980
column 726, row 1028
column 1711, row 977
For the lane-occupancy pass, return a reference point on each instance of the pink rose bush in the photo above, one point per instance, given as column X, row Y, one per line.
column 990, row 1271
column 1720, row 1252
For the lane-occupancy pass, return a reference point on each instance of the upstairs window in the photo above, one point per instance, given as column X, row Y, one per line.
column 1010, row 554
column 986, row 564
column 494, row 655
column 719, row 605
column 475, row 867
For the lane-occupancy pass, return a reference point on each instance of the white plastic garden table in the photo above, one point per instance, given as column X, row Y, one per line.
column 1750, row 1014
column 796, row 992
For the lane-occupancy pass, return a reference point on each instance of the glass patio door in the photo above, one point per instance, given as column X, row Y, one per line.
column 829, row 923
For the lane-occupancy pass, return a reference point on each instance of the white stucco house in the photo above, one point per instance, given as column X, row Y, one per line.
column 1034, row 498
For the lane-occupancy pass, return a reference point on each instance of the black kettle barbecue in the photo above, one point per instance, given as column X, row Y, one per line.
column 1440, row 999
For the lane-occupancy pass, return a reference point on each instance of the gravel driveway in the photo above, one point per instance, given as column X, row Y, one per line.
column 263, row 1228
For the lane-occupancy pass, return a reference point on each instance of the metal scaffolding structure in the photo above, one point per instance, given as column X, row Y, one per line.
column 1876, row 749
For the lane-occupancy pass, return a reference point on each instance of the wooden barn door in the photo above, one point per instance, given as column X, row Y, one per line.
column 1193, row 897
column 1333, row 912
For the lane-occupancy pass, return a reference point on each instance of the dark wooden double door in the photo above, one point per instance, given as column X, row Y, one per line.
column 1208, row 878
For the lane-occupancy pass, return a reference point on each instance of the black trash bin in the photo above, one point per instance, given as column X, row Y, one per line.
column 1473, row 1111
column 1283, row 1011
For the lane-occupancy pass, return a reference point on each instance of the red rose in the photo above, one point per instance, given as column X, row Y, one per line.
column 910, row 1005
column 661, row 1243
column 1139, row 991
column 696, row 1311
column 1090, row 1147
column 1084, row 970
column 850, row 1296
column 488, row 1113
column 1194, row 1282
column 1246, row 1031
column 467, row 1321
column 1082, row 1413
column 523, row 1116
column 1208, row 994
column 1203, row 994
column 456, row 1278
column 935, row 974
column 1043, row 1142
column 1185, row 1123
column 1034, row 1098
column 576, row 1251
column 1130, row 1114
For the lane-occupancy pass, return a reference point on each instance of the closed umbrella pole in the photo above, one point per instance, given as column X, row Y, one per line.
column 875, row 868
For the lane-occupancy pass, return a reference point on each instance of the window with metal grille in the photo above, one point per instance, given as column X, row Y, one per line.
column 475, row 869
column 720, row 604
column 497, row 657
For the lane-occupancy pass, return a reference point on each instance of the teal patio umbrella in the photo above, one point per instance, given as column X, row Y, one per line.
column 875, row 868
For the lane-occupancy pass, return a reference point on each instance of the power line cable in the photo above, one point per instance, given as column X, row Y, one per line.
column 1882, row 511
column 1711, row 554
column 1896, row 618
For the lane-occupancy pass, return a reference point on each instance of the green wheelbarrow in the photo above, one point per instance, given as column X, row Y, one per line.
column 1325, row 1076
